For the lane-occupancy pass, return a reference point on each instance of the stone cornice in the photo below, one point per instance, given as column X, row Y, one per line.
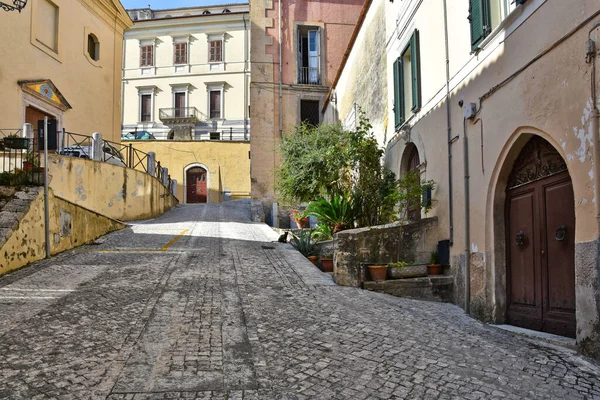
column 109, row 11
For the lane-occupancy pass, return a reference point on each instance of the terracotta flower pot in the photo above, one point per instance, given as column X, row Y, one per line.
column 434, row 269
column 313, row 259
column 302, row 222
column 327, row 264
column 378, row 272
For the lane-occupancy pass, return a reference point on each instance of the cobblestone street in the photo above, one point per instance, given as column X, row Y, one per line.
column 203, row 304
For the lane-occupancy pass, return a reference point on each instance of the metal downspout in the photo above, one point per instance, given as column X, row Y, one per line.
column 467, row 221
column 245, row 76
column 280, row 77
column 449, row 129
column 591, row 56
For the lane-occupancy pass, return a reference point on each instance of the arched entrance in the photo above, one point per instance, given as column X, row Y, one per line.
column 196, row 188
column 411, row 162
column 540, row 241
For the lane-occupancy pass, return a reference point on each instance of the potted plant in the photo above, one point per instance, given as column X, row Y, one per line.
column 13, row 141
column 434, row 268
column 32, row 163
column 378, row 272
column 404, row 269
column 304, row 243
column 299, row 217
column 327, row 262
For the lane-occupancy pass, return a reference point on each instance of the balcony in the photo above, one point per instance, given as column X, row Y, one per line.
column 182, row 115
column 309, row 76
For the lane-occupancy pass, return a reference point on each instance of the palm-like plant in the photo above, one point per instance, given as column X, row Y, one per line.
column 339, row 213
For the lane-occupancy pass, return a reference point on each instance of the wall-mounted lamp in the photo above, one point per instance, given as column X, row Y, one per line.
column 17, row 5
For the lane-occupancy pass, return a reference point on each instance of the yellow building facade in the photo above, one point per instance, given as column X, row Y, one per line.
column 62, row 59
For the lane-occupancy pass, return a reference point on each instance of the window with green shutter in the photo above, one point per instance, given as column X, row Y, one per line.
column 479, row 17
column 407, row 81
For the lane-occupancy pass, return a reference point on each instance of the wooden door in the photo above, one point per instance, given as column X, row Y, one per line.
column 541, row 243
column 196, row 185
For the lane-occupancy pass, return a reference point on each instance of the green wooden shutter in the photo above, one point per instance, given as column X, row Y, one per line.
column 415, row 64
column 402, row 102
column 397, row 118
column 479, row 16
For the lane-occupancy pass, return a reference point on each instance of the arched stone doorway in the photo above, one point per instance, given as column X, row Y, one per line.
column 411, row 162
column 196, row 185
column 540, row 241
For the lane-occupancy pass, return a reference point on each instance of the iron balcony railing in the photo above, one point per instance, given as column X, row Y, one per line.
column 309, row 76
column 180, row 115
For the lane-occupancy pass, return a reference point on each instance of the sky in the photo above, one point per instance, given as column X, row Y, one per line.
column 158, row 4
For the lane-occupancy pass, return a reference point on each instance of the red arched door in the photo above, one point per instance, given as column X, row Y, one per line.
column 540, row 235
column 196, row 185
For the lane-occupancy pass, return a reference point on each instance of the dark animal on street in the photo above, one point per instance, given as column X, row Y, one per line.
column 283, row 237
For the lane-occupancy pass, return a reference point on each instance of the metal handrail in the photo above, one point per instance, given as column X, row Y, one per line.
column 309, row 76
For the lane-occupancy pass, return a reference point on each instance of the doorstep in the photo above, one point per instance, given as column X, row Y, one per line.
column 544, row 336
column 431, row 288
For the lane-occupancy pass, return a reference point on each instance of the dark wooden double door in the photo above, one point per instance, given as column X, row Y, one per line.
column 541, row 247
column 196, row 185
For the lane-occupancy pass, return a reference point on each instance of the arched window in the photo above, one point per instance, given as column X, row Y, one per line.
column 93, row 47
column 206, row 12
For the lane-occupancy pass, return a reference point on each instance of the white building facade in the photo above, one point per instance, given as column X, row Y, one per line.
column 186, row 73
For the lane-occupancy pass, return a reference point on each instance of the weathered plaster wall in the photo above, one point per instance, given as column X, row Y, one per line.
column 92, row 88
column 551, row 98
column 113, row 191
column 228, row 165
column 363, row 81
column 336, row 20
column 70, row 226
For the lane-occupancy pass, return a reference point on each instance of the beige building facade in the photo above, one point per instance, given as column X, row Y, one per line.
column 186, row 73
column 62, row 59
column 497, row 102
column 186, row 80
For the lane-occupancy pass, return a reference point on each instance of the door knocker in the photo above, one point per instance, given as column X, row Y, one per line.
column 561, row 233
column 520, row 240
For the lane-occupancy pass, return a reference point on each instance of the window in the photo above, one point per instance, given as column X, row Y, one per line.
column 93, row 47
column 309, row 55
column 147, row 55
column 179, row 99
column 309, row 112
column 215, row 51
column 486, row 15
column 215, row 104
column 47, row 28
column 181, row 56
column 146, row 108
column 407, row 81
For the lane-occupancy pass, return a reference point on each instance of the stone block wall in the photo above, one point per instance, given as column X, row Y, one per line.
column 353, row 248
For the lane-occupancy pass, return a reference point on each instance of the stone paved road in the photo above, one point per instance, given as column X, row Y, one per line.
column 201, row 304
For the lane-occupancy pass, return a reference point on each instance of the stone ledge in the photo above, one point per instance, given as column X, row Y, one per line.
column 431, row 288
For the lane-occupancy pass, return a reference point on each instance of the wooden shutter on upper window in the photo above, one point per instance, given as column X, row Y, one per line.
column 397, row 93
column 147, row 55
column 415, row 64
column 180, row 53
column 479, row 16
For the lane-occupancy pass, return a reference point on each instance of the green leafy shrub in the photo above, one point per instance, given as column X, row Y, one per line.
column 338, row 214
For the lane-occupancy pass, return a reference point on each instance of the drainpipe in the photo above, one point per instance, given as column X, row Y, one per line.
column 467, row 221
column 245, row 76
column 449, row 129
column 280, row 77
column 591, row 55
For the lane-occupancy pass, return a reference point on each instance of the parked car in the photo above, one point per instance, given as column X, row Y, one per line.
column 138, row 135
column 111, row 155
